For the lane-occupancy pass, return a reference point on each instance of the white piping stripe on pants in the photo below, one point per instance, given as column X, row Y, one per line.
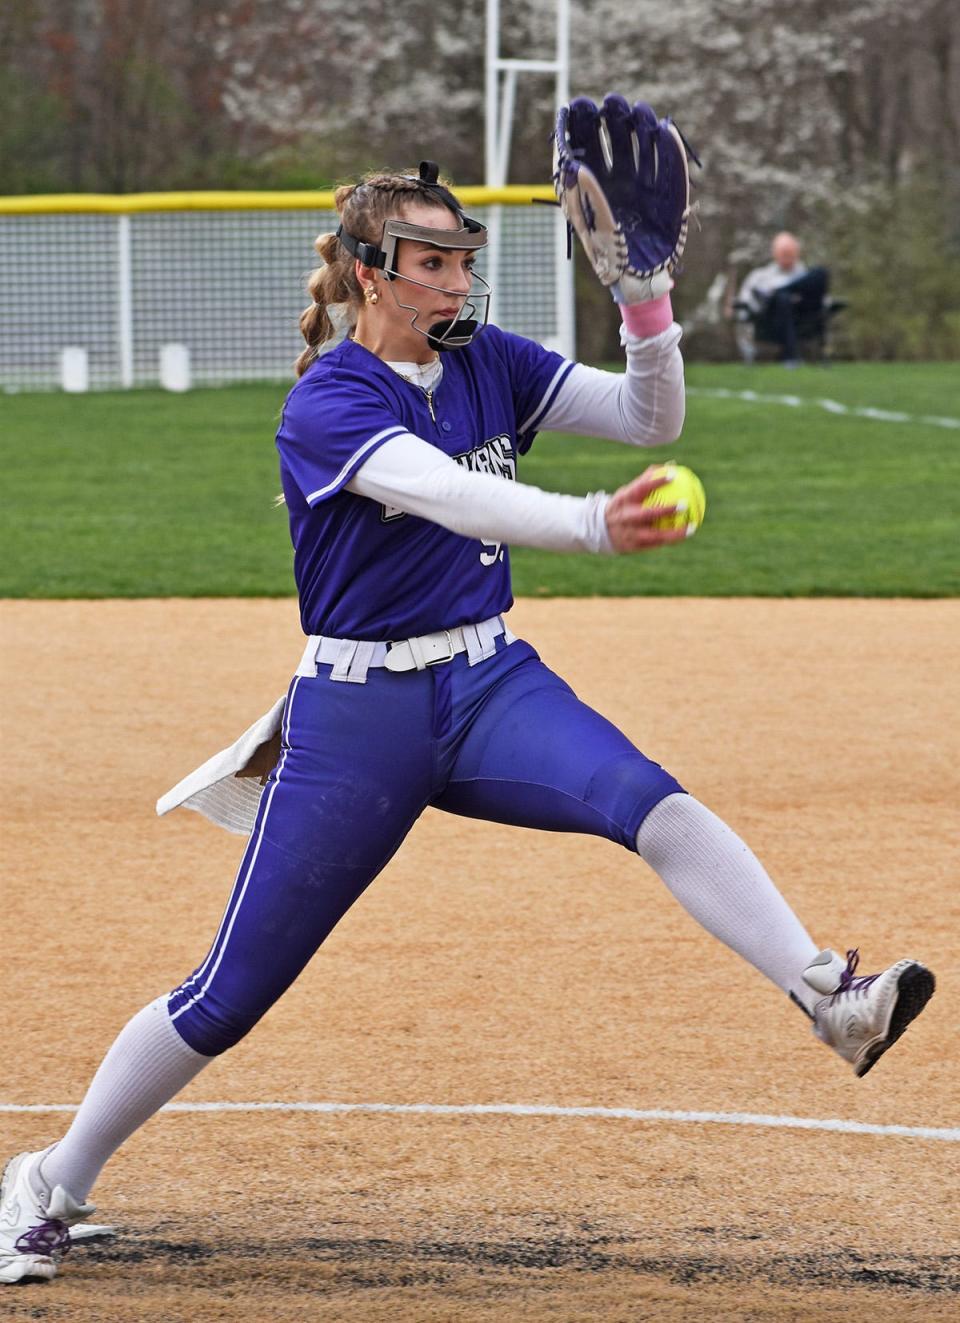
column 232, row 902
column 233, row 899
column 253, row 859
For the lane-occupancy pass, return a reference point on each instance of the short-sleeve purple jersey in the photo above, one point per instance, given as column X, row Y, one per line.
column 366, row 571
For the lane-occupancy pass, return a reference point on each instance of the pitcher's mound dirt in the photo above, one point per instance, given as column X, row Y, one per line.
column 490, row 965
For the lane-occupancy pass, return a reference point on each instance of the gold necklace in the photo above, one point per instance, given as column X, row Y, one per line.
column 427, row 390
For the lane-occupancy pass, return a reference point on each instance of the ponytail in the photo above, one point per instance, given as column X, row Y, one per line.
column 333, row 283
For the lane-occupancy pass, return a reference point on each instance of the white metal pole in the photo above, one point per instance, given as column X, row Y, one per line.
column 125, row 301
column 494, row 130
column 566, row 304
column 563, row 52
column 506, row 127
column 499, row 111
column 491, row 100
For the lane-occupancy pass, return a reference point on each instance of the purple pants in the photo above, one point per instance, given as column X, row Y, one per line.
column 506, row 740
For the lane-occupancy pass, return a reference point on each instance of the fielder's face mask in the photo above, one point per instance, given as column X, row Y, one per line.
column 457, row 331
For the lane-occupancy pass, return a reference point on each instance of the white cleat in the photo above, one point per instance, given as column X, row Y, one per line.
column 860, row 1016
column 35, row 1221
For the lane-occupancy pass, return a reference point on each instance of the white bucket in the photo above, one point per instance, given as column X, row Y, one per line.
column 74, row 370
column 175, row 368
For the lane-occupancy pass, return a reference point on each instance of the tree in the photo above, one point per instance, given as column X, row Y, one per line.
column 793, row 109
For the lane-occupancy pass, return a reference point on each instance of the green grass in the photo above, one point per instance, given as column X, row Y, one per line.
column 149, row 494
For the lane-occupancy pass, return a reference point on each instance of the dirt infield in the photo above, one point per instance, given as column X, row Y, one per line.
column 489, row 965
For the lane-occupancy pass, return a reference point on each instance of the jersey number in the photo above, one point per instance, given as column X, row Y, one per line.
column 491, row 552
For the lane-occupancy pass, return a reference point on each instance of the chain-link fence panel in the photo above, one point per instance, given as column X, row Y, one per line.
column 228, row 285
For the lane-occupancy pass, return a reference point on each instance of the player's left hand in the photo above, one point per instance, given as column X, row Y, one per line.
column 630, row 523
column 621, row 177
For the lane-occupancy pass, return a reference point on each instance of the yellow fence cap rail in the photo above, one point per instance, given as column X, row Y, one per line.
column 240, row 200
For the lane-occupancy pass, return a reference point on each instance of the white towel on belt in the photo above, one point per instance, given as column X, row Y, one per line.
column 227, row 790
column 217, row 790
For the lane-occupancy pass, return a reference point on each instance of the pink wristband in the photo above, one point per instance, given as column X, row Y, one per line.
column 646, row 319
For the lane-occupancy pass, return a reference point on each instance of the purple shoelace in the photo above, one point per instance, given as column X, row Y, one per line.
column 848, row 983
column 49, row 1238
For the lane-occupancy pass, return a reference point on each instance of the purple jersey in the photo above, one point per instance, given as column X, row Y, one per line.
column 367, row 571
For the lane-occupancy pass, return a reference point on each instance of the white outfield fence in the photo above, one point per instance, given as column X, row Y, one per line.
column 98, row 290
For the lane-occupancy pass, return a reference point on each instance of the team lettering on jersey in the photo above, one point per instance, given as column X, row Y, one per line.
column 496, row 457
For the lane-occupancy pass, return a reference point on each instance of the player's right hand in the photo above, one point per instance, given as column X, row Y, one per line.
column 630, row 523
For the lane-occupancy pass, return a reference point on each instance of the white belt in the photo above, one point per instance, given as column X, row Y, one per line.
column 350, row 659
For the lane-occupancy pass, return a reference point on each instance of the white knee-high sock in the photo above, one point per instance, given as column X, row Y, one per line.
column 148, row 1064
column 718, row 879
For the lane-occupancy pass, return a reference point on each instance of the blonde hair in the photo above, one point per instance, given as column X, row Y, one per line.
column 363, row 208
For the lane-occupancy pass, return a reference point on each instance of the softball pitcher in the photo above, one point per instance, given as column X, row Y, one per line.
column 399, row 452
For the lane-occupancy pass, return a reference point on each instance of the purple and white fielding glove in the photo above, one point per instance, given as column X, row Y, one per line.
column 622, row 181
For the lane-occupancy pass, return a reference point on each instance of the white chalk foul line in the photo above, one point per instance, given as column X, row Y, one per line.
column 947, row 1135
column 829, row 406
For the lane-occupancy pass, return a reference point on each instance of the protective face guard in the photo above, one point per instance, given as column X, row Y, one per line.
column 456, row 332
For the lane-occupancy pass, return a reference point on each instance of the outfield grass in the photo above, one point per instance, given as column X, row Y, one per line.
column 150, row 494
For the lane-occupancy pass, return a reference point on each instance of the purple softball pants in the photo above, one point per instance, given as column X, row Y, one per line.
column 506, row 740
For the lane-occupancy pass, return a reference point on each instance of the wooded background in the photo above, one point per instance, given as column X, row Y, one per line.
column 841, row 122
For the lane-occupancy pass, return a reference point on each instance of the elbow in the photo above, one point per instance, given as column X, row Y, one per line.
column 674, row 427
column 662, row 422
column 663, row 431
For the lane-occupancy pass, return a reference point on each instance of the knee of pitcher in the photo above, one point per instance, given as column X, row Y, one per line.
column 210, row 1029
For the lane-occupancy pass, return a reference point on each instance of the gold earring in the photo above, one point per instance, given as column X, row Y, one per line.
column 371, row 295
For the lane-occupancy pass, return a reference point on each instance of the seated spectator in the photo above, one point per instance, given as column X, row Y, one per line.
column 783, row 296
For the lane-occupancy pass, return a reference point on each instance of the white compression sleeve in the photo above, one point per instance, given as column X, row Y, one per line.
column 416, row 477
column 146, row 1066
column 718, row 879
column 642, row 407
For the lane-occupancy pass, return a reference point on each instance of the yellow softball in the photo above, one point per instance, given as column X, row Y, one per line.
column 684, row 489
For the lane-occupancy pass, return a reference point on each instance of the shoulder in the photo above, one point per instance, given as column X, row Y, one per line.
column 347, row 364
column 494, row 341
column 345, row 373
column 516, row 353
column 488, row 346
